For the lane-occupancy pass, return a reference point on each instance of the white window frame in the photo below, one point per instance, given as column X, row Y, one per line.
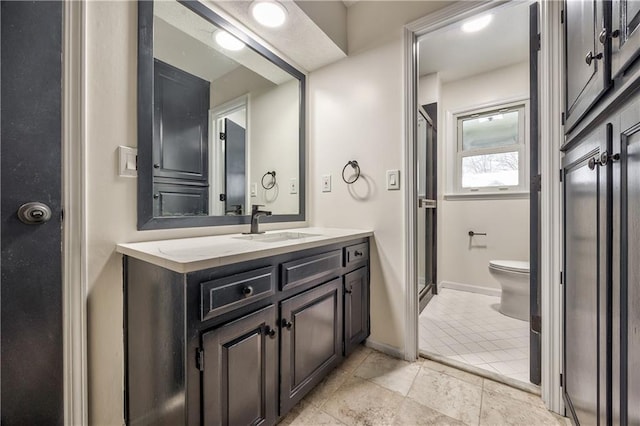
column 457, row 154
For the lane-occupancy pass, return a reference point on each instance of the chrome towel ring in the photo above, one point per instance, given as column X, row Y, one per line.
column 271, row 184
column 356, row 167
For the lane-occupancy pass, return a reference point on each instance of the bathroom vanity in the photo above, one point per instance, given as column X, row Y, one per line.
column 236, row 329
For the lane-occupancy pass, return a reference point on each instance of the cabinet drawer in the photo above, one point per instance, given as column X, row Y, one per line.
column 225, row 294
column 356, row 254
column 311, row 268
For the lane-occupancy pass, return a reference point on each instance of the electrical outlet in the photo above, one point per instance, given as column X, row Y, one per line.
column 393, row 180
column 293, row 186
column 326, row 183
column 254, row 189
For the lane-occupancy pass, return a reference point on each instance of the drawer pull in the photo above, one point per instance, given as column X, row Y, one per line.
column 247, row 291
column 357, row 253
column 286, row 324
column 271, row 332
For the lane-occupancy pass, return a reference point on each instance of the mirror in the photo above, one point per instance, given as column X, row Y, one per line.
column 220, row 122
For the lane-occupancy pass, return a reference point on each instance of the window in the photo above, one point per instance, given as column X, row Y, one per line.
column 491, row 155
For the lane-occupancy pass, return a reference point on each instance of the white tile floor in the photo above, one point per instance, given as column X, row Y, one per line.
column 467, row 327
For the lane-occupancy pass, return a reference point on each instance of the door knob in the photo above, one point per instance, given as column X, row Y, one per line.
column 34, row 213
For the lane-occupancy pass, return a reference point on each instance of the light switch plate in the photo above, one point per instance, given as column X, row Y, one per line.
column 254, row 189
column 326, row 183
column 128, row 161
column 393, row 180
column 293, row 186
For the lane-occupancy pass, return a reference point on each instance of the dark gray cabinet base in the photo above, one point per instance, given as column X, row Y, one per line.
column 243, row 343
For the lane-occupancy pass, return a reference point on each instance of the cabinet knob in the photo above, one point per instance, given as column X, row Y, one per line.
column 357, row 253
column 247, row 291
column 156, row 166
column 603, row 36
column 271, row 332
column 591, row 57
column 156, row 196
column 348, row 291
column 286, row 324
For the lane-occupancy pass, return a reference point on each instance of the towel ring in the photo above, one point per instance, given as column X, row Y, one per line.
column 356, row 167
column 273, row 180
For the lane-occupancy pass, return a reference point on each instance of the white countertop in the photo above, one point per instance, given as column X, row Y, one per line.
column 193, row 254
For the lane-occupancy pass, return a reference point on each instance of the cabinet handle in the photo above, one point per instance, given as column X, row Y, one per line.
column 247, row 291
column 156, row 196
column 348, row 291
column 590, row 57
column 357, row 253
column 286, row 324
column 156, row 166
column 271, row 332
column 603, row 36
column 603, row 160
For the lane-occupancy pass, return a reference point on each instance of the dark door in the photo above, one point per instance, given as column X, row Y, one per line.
column 31, row 342
column 625, row 40
column 311, row 340
column 180, row 124
column 585, row 278
column 427, row 152
column 587, row 73
column 234, row 166
column 535, row 315
column 356, row 308
column 239, row 381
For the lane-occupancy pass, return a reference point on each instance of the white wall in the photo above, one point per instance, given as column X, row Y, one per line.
column 356, row 113
column 429, row 89
column 273, row 145
column 111, row 105
column 506, row 221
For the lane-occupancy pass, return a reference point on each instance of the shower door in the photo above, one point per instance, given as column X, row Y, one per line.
column 427, row 195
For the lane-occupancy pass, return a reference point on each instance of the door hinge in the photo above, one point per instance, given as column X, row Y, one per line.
column 562, row 118
column 539, row 43
column 223, row 136
column 561, row 175
column 561, row 383
column 536, row 183
column 61, row 215
column 200, row 359
column 562, row 16
column 561, row 278
column 536, row 323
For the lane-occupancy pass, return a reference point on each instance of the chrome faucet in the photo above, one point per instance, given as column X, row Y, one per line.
column 255, row 215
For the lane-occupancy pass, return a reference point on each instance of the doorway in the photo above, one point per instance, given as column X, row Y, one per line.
column 480, row 81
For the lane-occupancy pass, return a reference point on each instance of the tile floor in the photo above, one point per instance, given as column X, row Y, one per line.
column 371, row 388
column 467, row 327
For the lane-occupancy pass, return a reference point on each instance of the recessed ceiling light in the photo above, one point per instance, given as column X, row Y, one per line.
column 476, row 24
column 227, row 41
column 269, row 13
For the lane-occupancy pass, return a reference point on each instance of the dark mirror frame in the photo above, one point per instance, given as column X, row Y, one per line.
column 146, row 220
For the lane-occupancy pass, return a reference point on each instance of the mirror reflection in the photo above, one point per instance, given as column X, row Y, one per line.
column 226, row 122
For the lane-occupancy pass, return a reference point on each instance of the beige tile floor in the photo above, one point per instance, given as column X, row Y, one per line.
column 370, row 388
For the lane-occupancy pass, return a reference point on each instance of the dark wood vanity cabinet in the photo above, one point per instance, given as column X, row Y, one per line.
column 240, row 343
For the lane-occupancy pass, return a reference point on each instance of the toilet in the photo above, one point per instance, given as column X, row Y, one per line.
column 513, row 276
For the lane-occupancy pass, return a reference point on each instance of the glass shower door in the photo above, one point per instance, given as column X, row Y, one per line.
column 427, row 195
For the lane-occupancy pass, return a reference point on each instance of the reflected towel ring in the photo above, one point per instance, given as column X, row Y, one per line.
column 356, row 167
column 273, row 180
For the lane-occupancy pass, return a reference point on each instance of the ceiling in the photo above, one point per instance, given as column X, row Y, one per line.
column 454, row 54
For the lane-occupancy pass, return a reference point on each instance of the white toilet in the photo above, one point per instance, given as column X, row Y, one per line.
column 513, row 276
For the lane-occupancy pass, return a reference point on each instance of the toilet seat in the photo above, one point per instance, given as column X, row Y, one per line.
column 518, row 266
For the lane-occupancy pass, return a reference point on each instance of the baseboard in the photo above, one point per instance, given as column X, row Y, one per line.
column 470, row 288
column 384, row 348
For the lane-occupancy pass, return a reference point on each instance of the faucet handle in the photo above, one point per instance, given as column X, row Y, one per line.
column 255, row 207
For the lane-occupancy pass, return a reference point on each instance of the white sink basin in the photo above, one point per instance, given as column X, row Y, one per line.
column 276, row 237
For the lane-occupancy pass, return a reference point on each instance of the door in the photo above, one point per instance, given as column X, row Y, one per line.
column 625, row 34
column 31, row 334
column 311, row 340
column 234, row 166
column 586, row 188
column 587, row 67
column 239, row 378
column 356, row 308
column 535, row 314
column 427, row 202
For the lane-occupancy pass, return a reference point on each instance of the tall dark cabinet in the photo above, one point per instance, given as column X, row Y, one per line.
column 601, row 180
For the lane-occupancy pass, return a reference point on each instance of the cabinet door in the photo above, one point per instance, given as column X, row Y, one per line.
column 356, row 308
column 239, row 380
column 311, row 341
column 625, row 34
column 629, row 295
column 587, row 67
column 180, row 200
column 180, row 124
column 585, row 296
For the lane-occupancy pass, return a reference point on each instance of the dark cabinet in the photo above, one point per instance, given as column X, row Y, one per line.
column 587, row 66
column 172, row 199
column 585, row 290
column 311, row 340
column 239, row 383
column 356, row 308
column 625, row 37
